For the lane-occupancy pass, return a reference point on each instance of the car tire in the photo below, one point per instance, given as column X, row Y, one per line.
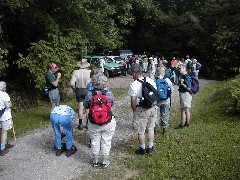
column 106, row 73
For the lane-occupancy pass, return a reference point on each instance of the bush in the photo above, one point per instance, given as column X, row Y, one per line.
column 231, row 93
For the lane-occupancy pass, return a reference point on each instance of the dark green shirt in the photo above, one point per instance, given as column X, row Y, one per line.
column 50, row 77
column 187, row 81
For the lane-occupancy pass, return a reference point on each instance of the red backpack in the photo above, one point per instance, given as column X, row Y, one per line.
column 100, row 111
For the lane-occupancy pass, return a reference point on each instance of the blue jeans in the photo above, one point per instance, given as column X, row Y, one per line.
column 65, row 122
column 163, row 115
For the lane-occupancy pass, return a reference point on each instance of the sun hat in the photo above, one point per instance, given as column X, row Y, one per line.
column 53, row 66
column 2, row 85
column 83, row 64
column 99, row 81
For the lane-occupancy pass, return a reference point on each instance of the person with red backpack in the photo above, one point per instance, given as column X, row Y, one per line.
column 101, row 121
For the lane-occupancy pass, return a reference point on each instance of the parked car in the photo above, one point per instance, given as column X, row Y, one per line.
column 110, row 68
column 119, row 60
column 125, row 53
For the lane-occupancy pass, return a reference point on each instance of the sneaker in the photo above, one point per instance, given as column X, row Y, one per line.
column 59, row 152
column 3, row 152
column 140, row 151
column 95, row 164
column 150, row 151
column 105, row 164
column 8, row 146
column 187, row 125
column 70, row 152
column 180, row 126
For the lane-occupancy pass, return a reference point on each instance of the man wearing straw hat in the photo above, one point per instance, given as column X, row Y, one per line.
column 79, row 81
column 5, row 118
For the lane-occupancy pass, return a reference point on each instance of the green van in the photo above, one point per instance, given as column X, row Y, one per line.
column 110, row 68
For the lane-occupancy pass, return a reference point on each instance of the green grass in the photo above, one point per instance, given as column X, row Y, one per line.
column 37, row 117
column 208, row 149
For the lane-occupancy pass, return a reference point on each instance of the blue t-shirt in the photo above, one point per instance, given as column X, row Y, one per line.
column 187, row 81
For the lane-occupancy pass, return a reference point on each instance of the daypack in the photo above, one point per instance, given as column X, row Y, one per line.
column 150, row 95
column 198, row 65
column 194, row 85
column 163, row 89
column 100, row 111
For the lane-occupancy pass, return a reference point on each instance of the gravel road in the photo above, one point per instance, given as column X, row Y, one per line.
column 33, row 157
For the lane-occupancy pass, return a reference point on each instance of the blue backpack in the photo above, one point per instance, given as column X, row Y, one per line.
column 163, row 89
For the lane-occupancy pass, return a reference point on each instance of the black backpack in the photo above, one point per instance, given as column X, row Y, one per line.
column 150, row 95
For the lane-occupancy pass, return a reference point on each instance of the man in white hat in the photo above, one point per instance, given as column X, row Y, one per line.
column 79, row 81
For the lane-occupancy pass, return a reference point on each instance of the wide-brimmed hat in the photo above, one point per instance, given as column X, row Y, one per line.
column 83, row 64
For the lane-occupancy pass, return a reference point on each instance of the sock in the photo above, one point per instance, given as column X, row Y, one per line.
column 142, row 146
column 80, row 121
column 2, row 146
column 150, row 144
column 105, row 159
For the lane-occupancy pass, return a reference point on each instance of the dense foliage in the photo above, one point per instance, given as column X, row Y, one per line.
column 34, row 33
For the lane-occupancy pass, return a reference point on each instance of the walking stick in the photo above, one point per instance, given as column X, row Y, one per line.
column 14, row 134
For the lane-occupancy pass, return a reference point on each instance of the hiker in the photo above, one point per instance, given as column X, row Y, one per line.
column 185, row 97
column 5, row 118
column 165, row 87
column 101, row 124
column 52, row 78
column 101, row 64
column 79, row 82
column 143, row 117
column 63, row 115
column 152, row 68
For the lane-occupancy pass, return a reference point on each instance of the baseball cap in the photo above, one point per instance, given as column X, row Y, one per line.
column 53, row 65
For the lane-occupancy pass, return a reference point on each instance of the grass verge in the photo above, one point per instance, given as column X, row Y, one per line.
column 208, row 149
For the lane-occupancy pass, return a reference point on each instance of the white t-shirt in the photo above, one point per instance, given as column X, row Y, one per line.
column 4, row 97
column 135, row 88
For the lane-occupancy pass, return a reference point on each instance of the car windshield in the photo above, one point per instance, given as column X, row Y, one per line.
column 118, row 59
column 108, row 60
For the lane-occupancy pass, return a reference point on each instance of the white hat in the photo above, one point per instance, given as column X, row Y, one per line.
column 2, row 85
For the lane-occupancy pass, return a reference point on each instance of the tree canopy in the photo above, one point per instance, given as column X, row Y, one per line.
column 34, row 33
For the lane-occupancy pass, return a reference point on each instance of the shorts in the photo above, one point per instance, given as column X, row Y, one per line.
column 185, row 100
column 54, row 96
column 145, row 118
column 6, row 125
column 81, row 94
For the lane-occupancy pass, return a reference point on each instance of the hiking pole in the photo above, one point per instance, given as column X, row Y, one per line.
column 14, row 134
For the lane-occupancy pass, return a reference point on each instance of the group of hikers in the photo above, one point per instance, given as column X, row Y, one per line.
column 150, row 104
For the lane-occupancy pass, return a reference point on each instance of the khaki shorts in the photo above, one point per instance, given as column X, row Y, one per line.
column 145, row 118
column 6, row 125
column 185, row 100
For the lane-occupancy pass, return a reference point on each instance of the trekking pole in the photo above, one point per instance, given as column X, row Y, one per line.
column 14, row 134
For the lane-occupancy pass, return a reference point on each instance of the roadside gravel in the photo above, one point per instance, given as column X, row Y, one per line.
column 33, row 157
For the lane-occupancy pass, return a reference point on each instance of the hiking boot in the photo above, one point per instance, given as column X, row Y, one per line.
column 3, row 152
column 105, row 164
column 187, row 125
column 8, row 146
column 95, row 164
column 140, row 151
column 59, row 152
column 180, row 126
column 150, row 150
column 70, row 152
column 165, row 130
